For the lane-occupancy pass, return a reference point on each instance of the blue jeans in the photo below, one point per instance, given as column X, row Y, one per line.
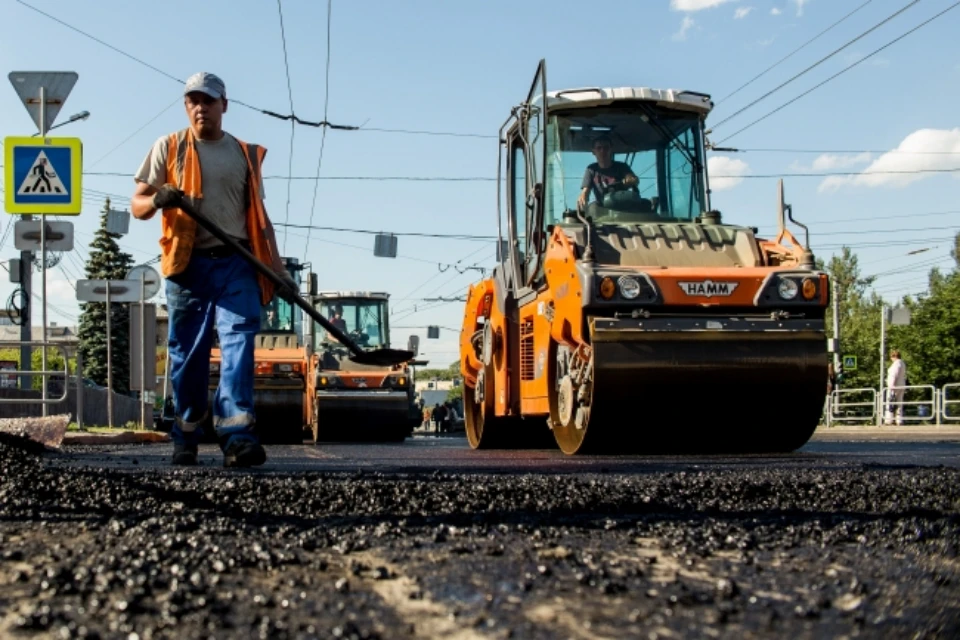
column 221, row 294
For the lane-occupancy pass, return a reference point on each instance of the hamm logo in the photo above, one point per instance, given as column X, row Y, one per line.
column 708, row 288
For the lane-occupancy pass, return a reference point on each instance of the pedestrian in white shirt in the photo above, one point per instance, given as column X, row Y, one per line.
column 896, row 381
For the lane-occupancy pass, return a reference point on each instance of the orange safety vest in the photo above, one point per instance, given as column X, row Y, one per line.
column 179, row 229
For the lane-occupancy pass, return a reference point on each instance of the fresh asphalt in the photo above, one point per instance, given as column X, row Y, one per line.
column 854, row 535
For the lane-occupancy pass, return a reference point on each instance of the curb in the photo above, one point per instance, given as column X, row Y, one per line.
column 126, row 437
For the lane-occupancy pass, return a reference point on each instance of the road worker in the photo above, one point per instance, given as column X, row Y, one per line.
column 210, row 287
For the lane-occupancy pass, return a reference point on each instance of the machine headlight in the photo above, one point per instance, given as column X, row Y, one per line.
column 787, row 289
column 607, row 288
column 328, row 381
column 809, row 288
column 629, row 287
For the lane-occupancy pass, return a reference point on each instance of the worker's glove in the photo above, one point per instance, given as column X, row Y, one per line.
column 167, row 197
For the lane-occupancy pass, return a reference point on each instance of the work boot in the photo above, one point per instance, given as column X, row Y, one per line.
column 184, row 454
column 242, row 452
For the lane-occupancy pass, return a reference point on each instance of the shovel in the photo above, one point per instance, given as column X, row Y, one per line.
column 376, row 357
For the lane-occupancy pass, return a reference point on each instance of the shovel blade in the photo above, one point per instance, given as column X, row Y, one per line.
column 382, row 357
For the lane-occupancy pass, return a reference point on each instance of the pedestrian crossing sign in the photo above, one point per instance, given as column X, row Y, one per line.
column 42, row 175
column 849, row 363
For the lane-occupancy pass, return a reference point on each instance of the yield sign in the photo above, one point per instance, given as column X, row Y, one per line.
column 57, row 85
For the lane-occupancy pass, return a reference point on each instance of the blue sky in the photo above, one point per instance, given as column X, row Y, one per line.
column 459, row 67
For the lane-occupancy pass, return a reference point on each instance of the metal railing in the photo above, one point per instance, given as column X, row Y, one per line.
column 853, row 405
column 44, row 375
column 918, row 403
column 946, row 401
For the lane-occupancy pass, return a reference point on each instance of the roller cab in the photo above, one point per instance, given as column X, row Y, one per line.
column 626, row 314
column 352, row 401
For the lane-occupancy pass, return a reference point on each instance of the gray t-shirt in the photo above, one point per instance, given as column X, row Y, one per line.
column 223, row 175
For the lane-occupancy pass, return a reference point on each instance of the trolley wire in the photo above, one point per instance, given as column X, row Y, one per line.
column 323, row 138
column 816, row 64
column 293, row 125
column 839, row 73
column 783, row 59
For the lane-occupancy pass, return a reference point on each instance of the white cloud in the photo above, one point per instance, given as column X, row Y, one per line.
column 685, row 25
column 775, row 11
column 904, row 158
column 742, row 12
column 728, row 167
column 696, row 5
column 767, row 42
column 800, row 4
column 834, row 162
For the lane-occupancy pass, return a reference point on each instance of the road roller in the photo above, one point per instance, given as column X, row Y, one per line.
column 626, row 314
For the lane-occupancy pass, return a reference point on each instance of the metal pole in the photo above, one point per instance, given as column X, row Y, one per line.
column 883, row 356
column 143, row 353
column 166, row 376
column 80, row 387
column 43, row 268
column 109, row 365
column 836, row 328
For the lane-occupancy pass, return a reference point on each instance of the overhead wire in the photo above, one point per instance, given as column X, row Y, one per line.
column 816, row 64
column 414, row 234
column 323, row 138
column 130, row 137
column 850, row 151
column 293, row 125
column 839, row 73
column 789, row 55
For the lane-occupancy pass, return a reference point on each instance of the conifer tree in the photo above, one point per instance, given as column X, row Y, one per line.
column 106, row 262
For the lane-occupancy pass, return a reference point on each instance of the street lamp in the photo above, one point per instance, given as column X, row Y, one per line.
column 83, row 115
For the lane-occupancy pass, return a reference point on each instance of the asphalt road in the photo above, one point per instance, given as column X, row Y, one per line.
column 852, row 536
column 452, row 454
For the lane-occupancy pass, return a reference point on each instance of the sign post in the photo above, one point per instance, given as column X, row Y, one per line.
column 108, row 291
column 149, row 285
column 43, row 94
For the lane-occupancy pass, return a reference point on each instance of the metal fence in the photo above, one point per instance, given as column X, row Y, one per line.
column 950, row 399
column 912, row 404
column 852, row 405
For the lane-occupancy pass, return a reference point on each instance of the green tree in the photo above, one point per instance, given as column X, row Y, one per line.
column 451, row 372
column 106, row 262
column 859, row 318
column 930, row 343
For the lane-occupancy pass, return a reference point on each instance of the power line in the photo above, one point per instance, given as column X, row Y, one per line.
column 129, row 137
column 293, row 125
column 451, row 236
column 851, row 151
column 893, row 217
column 430, row 133
column 817, row 63
column 323, row 138
column 777, row 63
column 842, row 71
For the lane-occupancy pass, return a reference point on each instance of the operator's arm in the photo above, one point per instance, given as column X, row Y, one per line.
column 151, row 175
column 141, row 204
column 585, row 188
column 630, row 177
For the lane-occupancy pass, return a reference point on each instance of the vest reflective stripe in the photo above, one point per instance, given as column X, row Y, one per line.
column 179, row 229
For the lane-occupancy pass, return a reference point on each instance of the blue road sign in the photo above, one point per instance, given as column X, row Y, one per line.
column 43, row 175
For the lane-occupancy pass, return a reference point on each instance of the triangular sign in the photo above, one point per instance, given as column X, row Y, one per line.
column 41, row 178
column 57, row 85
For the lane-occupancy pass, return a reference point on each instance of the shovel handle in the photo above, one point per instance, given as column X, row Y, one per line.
column 271, row 275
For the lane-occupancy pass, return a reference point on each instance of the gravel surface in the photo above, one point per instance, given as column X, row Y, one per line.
column 731, row 553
